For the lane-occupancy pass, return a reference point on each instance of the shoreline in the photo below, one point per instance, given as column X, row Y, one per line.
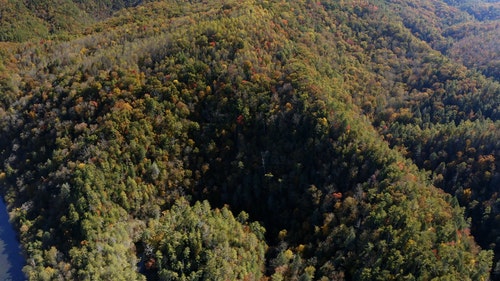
column 11, row 260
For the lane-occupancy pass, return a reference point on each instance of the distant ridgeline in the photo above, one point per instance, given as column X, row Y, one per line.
column 22, row 20
column 466, row 31
column 251, row 140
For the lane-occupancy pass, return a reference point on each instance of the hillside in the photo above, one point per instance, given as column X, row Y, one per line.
column 250, row 140
column 467, row 31
column 23, row 20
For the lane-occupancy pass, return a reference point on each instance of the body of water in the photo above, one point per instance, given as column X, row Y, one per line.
column 11, row 260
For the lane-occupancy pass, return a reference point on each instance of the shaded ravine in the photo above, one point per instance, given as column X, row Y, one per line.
column 11, row 261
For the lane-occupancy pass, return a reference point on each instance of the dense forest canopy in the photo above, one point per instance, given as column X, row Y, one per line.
column 252, row 140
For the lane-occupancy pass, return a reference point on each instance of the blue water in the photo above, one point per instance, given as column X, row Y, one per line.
column 11, row 261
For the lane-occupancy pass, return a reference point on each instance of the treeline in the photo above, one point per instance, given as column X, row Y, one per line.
column 306, row 117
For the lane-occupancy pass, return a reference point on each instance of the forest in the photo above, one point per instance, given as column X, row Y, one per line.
column 252, row 139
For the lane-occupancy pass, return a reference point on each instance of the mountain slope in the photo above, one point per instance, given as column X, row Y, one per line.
column 261, row 107
column 27, row 20
column 466, row 31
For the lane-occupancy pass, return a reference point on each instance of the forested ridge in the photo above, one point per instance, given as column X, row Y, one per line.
column 252, row 140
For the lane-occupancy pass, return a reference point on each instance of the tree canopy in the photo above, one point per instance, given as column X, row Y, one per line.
column 346, row 135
